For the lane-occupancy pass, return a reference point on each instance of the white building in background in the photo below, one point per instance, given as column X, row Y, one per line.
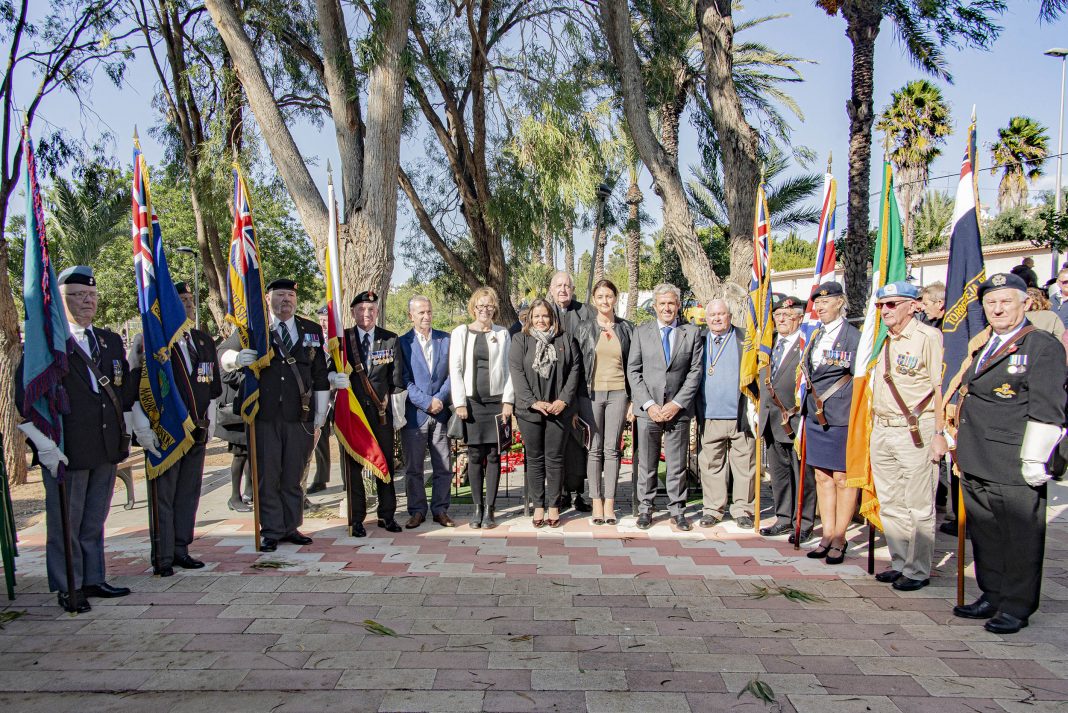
column 930, row 267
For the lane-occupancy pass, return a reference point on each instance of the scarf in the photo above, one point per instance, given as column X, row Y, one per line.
column 544, row 352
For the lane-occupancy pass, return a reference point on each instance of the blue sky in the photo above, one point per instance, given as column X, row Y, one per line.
column 1014, row 78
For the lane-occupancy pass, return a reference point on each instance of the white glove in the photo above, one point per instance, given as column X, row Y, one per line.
column 751, row 415
column 142, row 428
column 1038, row 443
column 322, row 407
column 339, row 380
column 247, row 357
column 48, row 453
column 213, row 409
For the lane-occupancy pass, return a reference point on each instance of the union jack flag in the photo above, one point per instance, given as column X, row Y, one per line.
column 759, row 329
column 245, row 306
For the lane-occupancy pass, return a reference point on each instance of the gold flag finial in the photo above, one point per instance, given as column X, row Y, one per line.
column 829, row 155
column 329, row 173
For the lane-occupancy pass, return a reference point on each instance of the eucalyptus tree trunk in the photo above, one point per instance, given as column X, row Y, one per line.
column 569, row 245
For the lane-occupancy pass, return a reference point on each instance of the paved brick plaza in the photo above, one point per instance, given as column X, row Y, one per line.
column 517, row 619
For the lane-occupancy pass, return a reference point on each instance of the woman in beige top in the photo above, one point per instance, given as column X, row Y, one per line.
column 604, row 402
column 1040, row 315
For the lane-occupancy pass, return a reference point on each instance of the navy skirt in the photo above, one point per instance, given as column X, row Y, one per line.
column 825, row 447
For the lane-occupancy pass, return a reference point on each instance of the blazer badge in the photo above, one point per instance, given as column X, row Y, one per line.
column 1004, row 392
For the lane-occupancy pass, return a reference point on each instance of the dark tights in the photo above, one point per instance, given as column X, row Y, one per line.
column 239, row 467
column 476, row 454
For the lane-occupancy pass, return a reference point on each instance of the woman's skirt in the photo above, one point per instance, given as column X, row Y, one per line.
column 825, row 447
column 481, row 424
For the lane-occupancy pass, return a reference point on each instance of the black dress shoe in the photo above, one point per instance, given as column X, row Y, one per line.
column 104, row 591
column 888, row 576
column 75, row 602
column 682, row 524
column 1003, row 623
column 777, row 529
column 905, row 584
column 838, row 558
column 358, row 530
column 165, row 571
column 389, row 525
column 581, row 505
column 187, row 562
column 297, row 538
column 745, row 522
column 709, row 521
column 268, row 544
column 805, row 535
column 565, row 501
column 645, row 521
column 239, row 506
column 316, row 488
column 949, row 527
column 489, row 521
column 820, row 552
column 979, row 609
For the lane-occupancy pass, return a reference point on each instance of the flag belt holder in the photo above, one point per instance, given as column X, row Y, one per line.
column 820, row 398
column 380, row 404
column 288, row 360
column 784, row 413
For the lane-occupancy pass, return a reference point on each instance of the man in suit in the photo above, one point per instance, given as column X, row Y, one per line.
column 1059, row 298
column 779, row 422
column 197, row 379
column 293, row 403
column 1010, row 411
column 423, row 367
column 99, row 388
column 727, row 456
column 571, row 312
column 322, row 445
column 372, row 351
column 664, row 370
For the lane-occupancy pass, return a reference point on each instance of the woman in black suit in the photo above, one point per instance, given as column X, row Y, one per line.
column 546, row 367
column 828, row 364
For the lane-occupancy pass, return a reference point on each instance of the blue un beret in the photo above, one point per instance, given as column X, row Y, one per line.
column 900, row 288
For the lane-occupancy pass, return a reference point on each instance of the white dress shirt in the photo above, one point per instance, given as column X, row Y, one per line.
column 1002, row 338
column 787, row 344
column 426, row 343
column 828, row 335
column 290, row 324
column 78, row 332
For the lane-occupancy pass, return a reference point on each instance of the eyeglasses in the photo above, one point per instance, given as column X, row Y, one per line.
column 893, row 305
column 1062, row 282
column 483, row 308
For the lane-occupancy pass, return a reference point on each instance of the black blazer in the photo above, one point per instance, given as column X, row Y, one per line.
column 205, row 381
column 92, row 429
column 563, row 382
column 279, row 393
column 835, row 409
column 784, row 382
column 586, row 335
column 998, row 405
column 384, row 372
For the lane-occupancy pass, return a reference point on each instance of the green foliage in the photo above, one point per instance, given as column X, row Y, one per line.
column 916, row 123
column 448, row 312
column 932, row 223
column 1011, row 226
column 1020, row 150
column 88, row 214
column 1055, row 228
column 792, row 253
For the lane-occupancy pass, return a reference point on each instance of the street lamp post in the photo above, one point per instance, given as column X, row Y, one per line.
column 196, row 282
column 1061, row 53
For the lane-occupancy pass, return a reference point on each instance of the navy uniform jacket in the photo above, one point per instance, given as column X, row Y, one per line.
column 205, row 381
column 998, row 405
column 784, row 382
column 279, row 393
column 92, row 429
column 383, row 372
column 836, row 408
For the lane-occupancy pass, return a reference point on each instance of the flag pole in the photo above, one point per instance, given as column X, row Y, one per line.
column 254, row 469
column 802, row 473
column 961, row 528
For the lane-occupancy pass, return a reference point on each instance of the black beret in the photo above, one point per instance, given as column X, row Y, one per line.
column 788, row 302
column 77, row 275
column 323, row 310
column 282, row 284
column 1003, row 281
column 829, row 289
column 368, row 296
column 182, row 288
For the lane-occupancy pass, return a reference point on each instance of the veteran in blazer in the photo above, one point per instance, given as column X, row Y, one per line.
column 376, row 350
column 294, row 402
column 779, row 421
column 827, row 366
column 99, row 389
column 1010, row 406
column 198, row 381
column 423, row 371
column 664, row 371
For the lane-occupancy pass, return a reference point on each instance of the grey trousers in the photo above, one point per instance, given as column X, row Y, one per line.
column 675, row 436
column 89, row 496
column 606, row 413
column 727, row 452
column 415, row 442
column 282, row 451
column 177, row 498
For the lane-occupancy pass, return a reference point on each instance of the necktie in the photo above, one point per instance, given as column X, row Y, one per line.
column 287, row 338
column 666, row 340
column 995, row 343
column 776, row 355
column 365, row 347
column 94, row 346
column 190, row 353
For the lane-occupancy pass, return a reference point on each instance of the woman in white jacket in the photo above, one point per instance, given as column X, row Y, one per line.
column 482, row 396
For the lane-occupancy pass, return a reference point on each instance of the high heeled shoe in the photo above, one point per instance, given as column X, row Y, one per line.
column 537, row 522
column 820, row 552
column 840, row 557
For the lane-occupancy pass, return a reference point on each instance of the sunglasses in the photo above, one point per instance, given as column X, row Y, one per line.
column 893, row 305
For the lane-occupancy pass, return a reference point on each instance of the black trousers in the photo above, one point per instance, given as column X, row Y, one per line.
column 1007, row 527
column 283, row 449
column 387, row 493
column 177, row 499
column 545, row 442
column 574, row 462
column 784, row 469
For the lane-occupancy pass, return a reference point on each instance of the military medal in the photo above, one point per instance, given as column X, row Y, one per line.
column 116, row 369
column 1017, row 363
column 717, row 355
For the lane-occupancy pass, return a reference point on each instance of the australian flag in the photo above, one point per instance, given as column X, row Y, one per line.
column 964, row 313
column 245, row 306
column 45, row 352
column 163, row 323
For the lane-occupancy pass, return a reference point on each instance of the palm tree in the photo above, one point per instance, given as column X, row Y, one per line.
column 633, row 200
column 784, row 196
column 923, row 28
column 1021, row 148
column 88, row 215
column 932, row 222
column 916, row 124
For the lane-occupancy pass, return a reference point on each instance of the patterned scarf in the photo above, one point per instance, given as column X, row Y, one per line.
column 544, row 352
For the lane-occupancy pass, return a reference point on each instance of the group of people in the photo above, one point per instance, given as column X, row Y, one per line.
column 573, row 375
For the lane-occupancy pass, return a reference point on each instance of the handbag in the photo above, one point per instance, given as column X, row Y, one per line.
column 455, row 429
